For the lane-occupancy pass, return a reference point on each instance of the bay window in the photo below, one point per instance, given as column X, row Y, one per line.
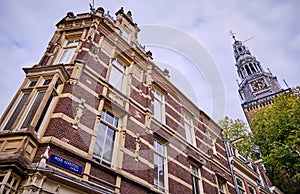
column 32, row 105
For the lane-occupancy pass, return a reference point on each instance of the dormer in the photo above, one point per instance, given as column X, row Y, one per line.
column 128, row 29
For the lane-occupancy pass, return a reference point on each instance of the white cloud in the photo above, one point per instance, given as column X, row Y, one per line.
column 27, row 26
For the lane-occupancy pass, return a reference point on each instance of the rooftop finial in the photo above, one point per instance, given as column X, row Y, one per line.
column 92, row 7
column 232, row 34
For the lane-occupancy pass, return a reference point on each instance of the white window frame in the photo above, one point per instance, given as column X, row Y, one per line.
column 117, row 76
column 196, row 176
column 160, row 152
column 189, row 128
column 159, row 106
column 114, row 126
column 241, row 188
column 68, row 50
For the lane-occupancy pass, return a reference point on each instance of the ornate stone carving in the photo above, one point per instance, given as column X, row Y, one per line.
column 78, row 113
column 117, row 99
column 137, row 145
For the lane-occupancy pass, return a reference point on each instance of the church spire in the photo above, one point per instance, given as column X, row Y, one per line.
column 247, row 65
column 256, row 86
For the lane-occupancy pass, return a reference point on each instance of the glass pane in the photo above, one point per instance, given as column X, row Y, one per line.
column 10, row 180
column 32, row 83
column 41, row 119
column 67, row 55
column 157, row 110
column 1, row 178
column 46, row 82
column 116, row 78
column 195, row 184
column 240, row 183
column 118, row 65
column 194, row 170
column 72, row 43
column 98, row 150
column 16, row 111
column 188, row 133
column 33, row 109
column 159, row 148
column 158, row 95
column 109, row 118
column 109, row 145
column 155, row 169
column 161, row 172
column 221, row 186
column 15, row 183
column 252, row 191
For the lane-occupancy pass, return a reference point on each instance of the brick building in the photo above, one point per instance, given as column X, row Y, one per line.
column 96, row 115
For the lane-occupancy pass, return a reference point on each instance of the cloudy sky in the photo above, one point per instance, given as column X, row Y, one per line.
column 209, row 78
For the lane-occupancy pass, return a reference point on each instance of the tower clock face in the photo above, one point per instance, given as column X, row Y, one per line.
column 258, row 84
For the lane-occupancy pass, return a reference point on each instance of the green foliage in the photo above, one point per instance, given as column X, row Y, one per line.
column 234, row 129
column 276, row 131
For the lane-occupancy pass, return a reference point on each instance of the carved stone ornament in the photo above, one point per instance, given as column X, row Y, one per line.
column 115, row 98
column 137, row 145
column 78, row 113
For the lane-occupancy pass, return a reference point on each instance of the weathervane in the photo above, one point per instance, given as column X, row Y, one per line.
column 92, row 7
column 232, row 34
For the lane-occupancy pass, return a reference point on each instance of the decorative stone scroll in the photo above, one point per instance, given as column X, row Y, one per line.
column 78, row 113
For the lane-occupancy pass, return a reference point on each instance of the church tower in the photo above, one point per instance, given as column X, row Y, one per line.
column 257, row 87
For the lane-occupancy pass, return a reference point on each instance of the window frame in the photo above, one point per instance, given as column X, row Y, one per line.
column 33, row 86
column 196, row 176
column 160, row 115
column 108, row 126
column 222, row 186
column 251, row 187
column 126, row 34
column 189, row 128
column 241, row 188
column 71, row 49
column 12, row 186
column 163, row 156
column 118, row 69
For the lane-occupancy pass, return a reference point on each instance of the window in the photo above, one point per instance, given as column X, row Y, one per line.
column 105, row 140
column 9, row 182
column 28, row 107
column 196, row 180
column 125, row 34
column 158, row 106
column 241, row 186
column 68, row 51
column 189, row 131
column 252, row 190
column 222, row 186
column 117, row 75
column 160, row 166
